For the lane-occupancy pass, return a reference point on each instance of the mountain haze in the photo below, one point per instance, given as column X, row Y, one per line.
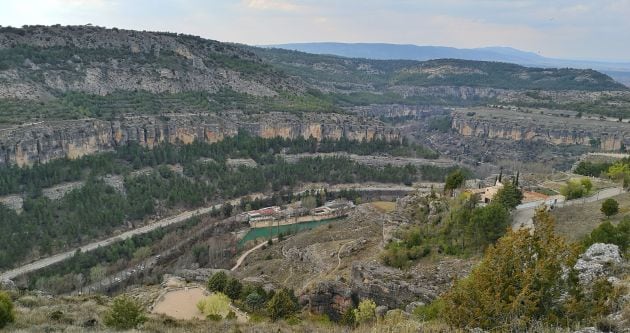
column 620, row 71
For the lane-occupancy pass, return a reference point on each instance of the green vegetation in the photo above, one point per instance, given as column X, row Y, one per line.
column 520, row 281
column 215, row 306
column 7, row 314
column 610, row 207
column 282, row 304
column 459, row 228
column 49, row 226
column 394, row 148
column 402, row 253
column 217, row 282
column 383, row 73
column 592, row 169
column 430, row 311
column 365, row 312
column 576, row 188
column 509, row 196
column 125, row 313
column 620, row 171
column 442, row 123
column 454, row 181
column 610, row 234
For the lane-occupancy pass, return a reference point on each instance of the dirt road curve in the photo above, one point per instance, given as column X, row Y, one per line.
column 41, row 263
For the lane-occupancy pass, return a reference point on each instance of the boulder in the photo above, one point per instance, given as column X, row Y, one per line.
column 412, row 306
column 7, row 285
column 597, row 262
column 380, row 311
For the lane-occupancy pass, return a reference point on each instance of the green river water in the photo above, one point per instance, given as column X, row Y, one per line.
column 266, row 232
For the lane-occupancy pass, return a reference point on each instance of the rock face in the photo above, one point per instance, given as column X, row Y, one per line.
column 556, row 130
column 100, row 61
column 597, row 262
column 328, row 297
column 45, row 141
column 394, row 288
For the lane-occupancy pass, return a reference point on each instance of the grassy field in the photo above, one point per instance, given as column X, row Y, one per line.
column 384, row 206
column 574, row 222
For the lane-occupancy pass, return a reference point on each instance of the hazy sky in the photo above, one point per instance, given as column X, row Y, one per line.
column 593, row 29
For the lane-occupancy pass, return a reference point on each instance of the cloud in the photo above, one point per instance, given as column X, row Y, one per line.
column 278, row 5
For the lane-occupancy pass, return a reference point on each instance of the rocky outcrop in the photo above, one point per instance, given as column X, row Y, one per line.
column 45, row 141
column 555, row 130
column 596, row 262
column 395, row 288
column 332, row 298
column 101, row 61
column 398, row 111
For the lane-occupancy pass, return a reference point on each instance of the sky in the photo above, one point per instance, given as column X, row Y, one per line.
column 573, row 29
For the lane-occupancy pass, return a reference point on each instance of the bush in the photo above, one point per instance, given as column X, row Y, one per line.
column 454, row 180
column 231, row 315
column 125, row 313
column 365, row 312
column 233, row 288
column 217, row 282
column 7, row 314
column 610, row 207
column 429, row 312
column 215, row 305
column 519, row 281
column 348, row 318
column 575, row 189
column 282, row 305
column 509, row 196
column 254, row 300
column 609, row 234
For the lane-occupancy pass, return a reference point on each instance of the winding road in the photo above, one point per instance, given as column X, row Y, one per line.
column 45, row 262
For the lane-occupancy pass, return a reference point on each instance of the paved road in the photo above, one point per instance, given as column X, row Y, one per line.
column 45, row 262
column 523, row 217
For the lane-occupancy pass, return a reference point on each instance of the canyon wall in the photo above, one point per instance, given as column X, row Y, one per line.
column 41, row 142
column 604, row 135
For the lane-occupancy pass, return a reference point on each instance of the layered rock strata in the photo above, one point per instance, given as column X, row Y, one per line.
column 44, row 141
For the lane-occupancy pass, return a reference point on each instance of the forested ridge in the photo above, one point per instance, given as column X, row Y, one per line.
column 47, row 226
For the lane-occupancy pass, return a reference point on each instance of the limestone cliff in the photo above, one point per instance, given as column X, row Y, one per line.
column 41, row 142
column 549, row 128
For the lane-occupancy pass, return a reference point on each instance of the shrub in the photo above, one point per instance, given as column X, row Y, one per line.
column 125, row 313
column 7, row 314
column 215, row 305
column 282, row 305
column 231, row 315
column 217, row 282
column 519, row 281
column 233, row 288
column 254, row 300
column 609, row 234
column 454, row 180
column 575, row 189
column 509, row 196
column 348, row 318
column 429, row 312
column 610, row 207
column 365, row 312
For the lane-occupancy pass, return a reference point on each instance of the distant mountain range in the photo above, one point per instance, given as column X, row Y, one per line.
column 620, row 71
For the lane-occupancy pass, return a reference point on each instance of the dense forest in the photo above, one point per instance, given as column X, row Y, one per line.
column 133, row 157
column 47, row 226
